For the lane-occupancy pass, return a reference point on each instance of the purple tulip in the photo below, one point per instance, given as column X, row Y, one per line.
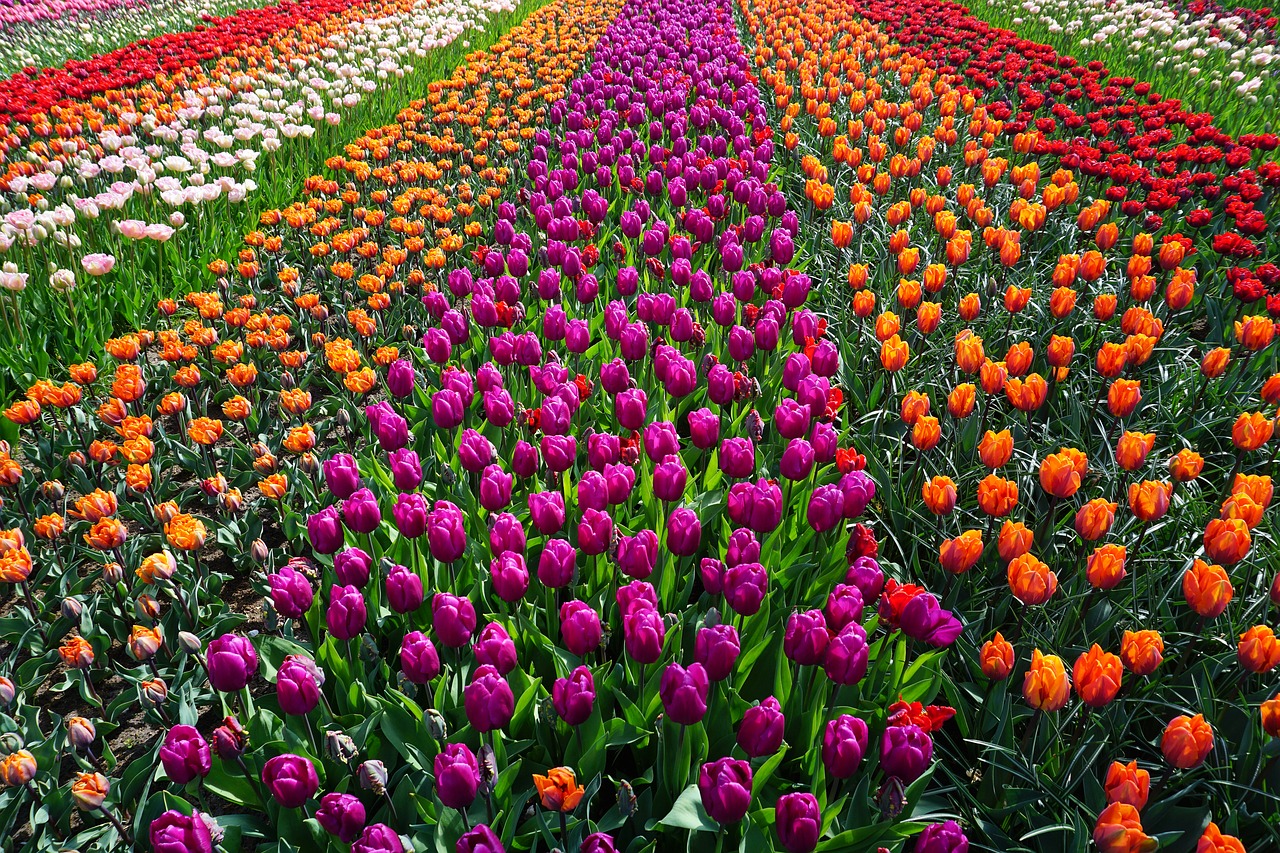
column 858, row 491
column 737, row 457
column 806, row 638
column 291, row 592
column 684, row 532
column 905, row 752
column 506, row 534
column 867, row 576
column 341, row 475
column 488, row 700
column 185, row 755
column 475, row 451
column 619, row 480
column 924, row 619
column 636, row 594
column 716, row 647
column 447, row 409
column 595, row 532
column 593, row 491
column 725, row 789
column 556, row 564
column 743, row 547
column 175, row 832
column 799, row 822
column 404, row 590
column 325, row 531
column 479, row 839
column 797, row 460
column 638, row 554
column 945, row 837
column 346, row 615
column 400, row 384
column 454, row 618
column 660, row 440
column 418, row 658
column 446, row 532
column 457, row 776
column 352, row 567
column 291, row 779
column 547, row 511
column 580, row 627
column 510, row 576
column 524, row 459
column 844, row 742
column 711, row 572
column 845, row 661
column 342, row 815
column 745, row 586
column 826, row 508
column 360, row 512
column 684, row 693
column 231, row 661
column 297, row 689
column 757, row 506
column 629, row 408
column 575, row 696
column 391, row 430
column 410, row 514
column 643, row 632
column 762, row 729
column 669, row 479
column 598, row 842
column 495, row 488
column 495, row 648
column 378, row 838
column 704, row 428
column 844, row 606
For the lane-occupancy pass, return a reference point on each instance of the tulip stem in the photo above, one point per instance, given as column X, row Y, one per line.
column 35, row 614
column 564, row 829
column 115, row 821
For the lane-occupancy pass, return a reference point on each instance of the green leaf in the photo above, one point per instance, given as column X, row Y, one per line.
column 687, row 813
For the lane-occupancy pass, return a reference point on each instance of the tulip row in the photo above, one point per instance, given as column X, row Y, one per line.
column 903, row 149
column 1214, row 59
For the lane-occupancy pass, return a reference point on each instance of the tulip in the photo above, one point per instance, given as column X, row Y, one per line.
column 1142, row 651
column 945, row 837
column 446, row 532
column 1126, row 783
column 495, row 648
column 352, row 567
column 1119, row 830
column 1213, row 840
column 865, row 573
column 844, row 606
column 481, row 839
column 454, row 618
column 1059, row 476
column 1207, row 589
column 341, row 475
column 1097, row 676
column 324, row 529
column 378, row 838
column 1094, row 519
column 360, row 512
column 684, row 532
column 231, row 661
column 510, row 576
column 404, row 590
column 844, row 742
column 638, row 554
column 488, row 700
column 185, row 755
column 997, row 658
column 346, row 615
column 1270, row 712
column 799, row 822
column 342, row 815
column 418, row 658
column 716, row 647
column 826, row 508
column 391, row 430
column 1149, row 500
column 1046, row 686
column 1227, row 540
column 556, row 564
column 905, row 752
column 457, row 776
column 291, row 592
column 291, row 779
column 1105, row 567
column 846, row 657
column 559, row 790
column 725, row 789
column 1187, row 741
column 1258, row 649
column 1030, row 580
column 737, row 457
column 297, row 688
column 575, row 696
column 580, row 627
column 684, row 693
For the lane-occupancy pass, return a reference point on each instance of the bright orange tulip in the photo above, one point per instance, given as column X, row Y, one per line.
column 1256, row 486
column 1270, row 711
column 1251, row 430
column 1094, row 519
column 997, row 658
column 1127, row 783
column 960, row 554
column 1214, row 841
column 1187, row 741
column 1149, row 500
column 1030, row 580
column 1097, row 675
column 1046, row 686
column 940, row 495
column 1132, row 449
column 1105, row 566
column 1227, row 540
column 962, row 400
column 1207, row 589
column 997, row 496
column 1186, row 465
column 1258, row 649
column 1142, row 651
column 1015, row 540
column 1058, row 475
column 1119, row 830
column 995, row 448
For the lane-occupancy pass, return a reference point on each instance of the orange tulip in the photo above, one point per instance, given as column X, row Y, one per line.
column 993, row 376
column 1104, row 306
column 1214, row 841
column 1271, row 390
column 926, row 433
column 1215, row 362
column 1062, row 349
column 1097, row 675
column 1119, row 830
column 1062, row 302
column 1251, row 431
column 969, row 353
column 1142, row 652
column 995, row 448
column 1123, row 397
column 997, row 496
column 1255, row 331
column 1094, row 519
column 1149, row 500
column 1030, row 580
column 185, row 532
column 106, row 534
column 1180, row 290
column 1227, row 540
column 1058, row 475
column 18, row 768
column 857, row 276
column 996, row 658
column 864, row 302
column 1243, row 507
column 1015, row 540
column 1046, row 686
column 90, row 791
column 959, row 555
column 1027, row 395
column 1186, row 465
column 962, row 400
column 894, row 353
column 1187, row 741
column 970, row 306
column 1256, row 486
column 928, row 316
column 1127, row 783
column 1258, row 649
column 558, row 790
column 76, row 652
column 1105, row 566
column 205, row 431
column 914, row 406
column 940, row 495
column 1207, row 589
column 1112, row 358
column 1271, row 716
column 841, row 233
column 1018, row 359
column 1132, row 449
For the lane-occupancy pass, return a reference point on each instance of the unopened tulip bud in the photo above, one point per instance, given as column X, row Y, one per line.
column 18, row 768
column 154, row 693
column 189, row 643
column 76, row 459
column 436, row 725
column 626, row 799
column 147, row 607
column 80, row 732
column 309, row 464
column 340, row 747
column 52, row 490
column 373, row 777
column 488, row 769
column 258, row 550
column 229, row 739
column 10, row 742
column 343, row 418
column 287, row 381
column 7, row 692
column 113, row 573
column 71, row 609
